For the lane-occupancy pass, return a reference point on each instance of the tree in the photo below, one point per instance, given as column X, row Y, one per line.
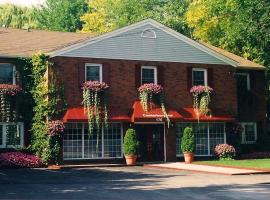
column 61, row 15
column 108, row 15
column 16, row 16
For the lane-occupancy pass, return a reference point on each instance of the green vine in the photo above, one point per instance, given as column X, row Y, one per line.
column 95, row 100
column 48, row 103
column 149, row 93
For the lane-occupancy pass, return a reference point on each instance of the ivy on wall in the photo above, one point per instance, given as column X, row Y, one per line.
column 47, row 104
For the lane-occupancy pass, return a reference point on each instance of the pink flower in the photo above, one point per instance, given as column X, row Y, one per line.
column 18, row 159
column 151, row 88
column 55, row 128
column 9, row 89
column 225, row 151
column 95, row 86
column 198, row 89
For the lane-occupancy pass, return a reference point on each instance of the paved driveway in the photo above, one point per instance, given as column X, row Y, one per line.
column 129, row 183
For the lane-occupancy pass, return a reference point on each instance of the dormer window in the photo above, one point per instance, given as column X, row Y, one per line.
column 149, row 33
column 7, row 73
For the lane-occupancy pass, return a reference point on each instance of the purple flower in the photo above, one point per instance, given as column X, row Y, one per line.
column 18, row 159
column 95, row 86
column 198, row 89
column 9, row 89
column 55, row 128
column 151, row 88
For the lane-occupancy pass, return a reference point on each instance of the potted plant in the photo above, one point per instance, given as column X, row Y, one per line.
column 188, row 145
column 130, row 146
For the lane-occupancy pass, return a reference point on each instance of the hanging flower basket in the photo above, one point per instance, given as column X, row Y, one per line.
column 150, row 94
column 7, row 104
column 201, row 99
column 95, row 103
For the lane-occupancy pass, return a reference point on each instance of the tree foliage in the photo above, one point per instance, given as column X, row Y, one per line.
column 108, row 15
column 61, row 15
column 16, row 16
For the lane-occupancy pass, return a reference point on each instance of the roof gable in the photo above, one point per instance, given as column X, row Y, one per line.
column 129, row 43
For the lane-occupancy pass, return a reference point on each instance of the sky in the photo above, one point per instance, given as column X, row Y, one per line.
column 28, row 3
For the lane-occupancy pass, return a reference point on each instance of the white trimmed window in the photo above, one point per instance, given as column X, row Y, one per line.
column 78, row 143
column 11, row 135
column 199, row 76
column 93, row 72
column 148, row 74
column 7, row 73
column 243, row 81
column 207, row 136
column 249, row 134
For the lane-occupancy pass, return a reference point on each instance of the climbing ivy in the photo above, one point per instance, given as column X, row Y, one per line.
column 47, row 104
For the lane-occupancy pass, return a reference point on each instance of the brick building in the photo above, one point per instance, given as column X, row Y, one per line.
column 149, row 52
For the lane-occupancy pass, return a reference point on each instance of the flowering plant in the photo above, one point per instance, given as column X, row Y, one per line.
column 55, row 128
column 201, row 99
column 95, row 103
column 150, row 92
column 8, row 112
column 18, row 159
column 225, row 151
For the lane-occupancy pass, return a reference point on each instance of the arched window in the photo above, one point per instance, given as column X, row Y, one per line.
column 149, row 33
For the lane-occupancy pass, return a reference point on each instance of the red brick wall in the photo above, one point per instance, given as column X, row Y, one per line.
column 122, row 83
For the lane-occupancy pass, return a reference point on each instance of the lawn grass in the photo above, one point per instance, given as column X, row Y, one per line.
column 252, row 163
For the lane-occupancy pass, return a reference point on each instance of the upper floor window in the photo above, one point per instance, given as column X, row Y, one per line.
column 199, row 76
column 93, row 72
column 243, row 81
column 249, row 134
column 149, row 74
column 7, row 73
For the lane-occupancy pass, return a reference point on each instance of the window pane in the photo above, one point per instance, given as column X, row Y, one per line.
column 13, row 134
column 216, row 132
column 1, row 135
column 250, row 133
column 93, row 73
column 148, row 76
column 92, row 143
column 112, row 141
column 198, row 78
column 6, row 74
column 72, row 141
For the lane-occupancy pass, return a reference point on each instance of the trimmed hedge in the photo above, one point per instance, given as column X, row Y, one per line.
column 130, row 142
column 188, row 141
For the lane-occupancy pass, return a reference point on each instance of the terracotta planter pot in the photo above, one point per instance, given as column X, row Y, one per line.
column 189, row 158
column 131, row 159
column 54, row 167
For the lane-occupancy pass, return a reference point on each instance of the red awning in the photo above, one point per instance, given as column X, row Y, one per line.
column 78, row 115
column 153, row 115
column 188, row 114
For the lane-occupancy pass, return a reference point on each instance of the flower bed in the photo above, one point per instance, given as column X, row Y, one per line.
column 10, row 90
column 18, row 159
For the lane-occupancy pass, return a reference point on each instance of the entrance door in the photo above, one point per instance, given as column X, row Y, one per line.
column 151, row 138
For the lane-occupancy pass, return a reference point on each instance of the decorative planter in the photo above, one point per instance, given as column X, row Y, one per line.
column 54, row 167
column 131, row 160
column 189, row 158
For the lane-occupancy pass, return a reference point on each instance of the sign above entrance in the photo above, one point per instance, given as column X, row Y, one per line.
column 153, row 115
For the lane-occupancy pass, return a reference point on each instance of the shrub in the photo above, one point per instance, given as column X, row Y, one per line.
column 130, row 142
column 18, row 159
column 225, row 151
column 188, row 141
